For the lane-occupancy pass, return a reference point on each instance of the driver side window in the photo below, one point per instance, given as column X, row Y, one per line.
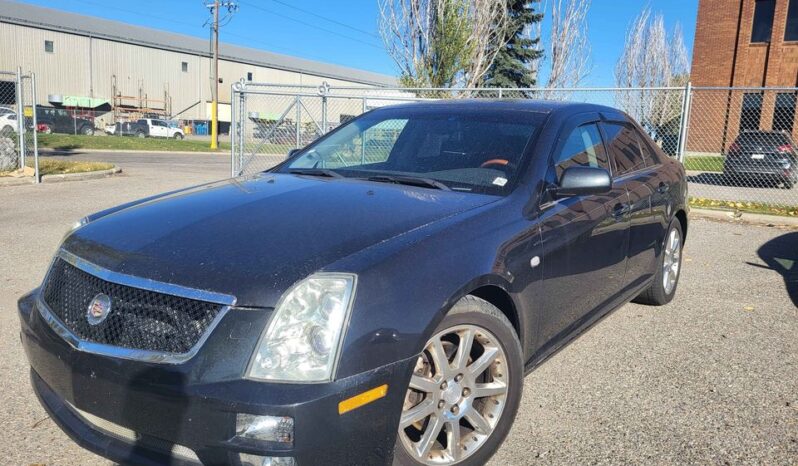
column 583, row 147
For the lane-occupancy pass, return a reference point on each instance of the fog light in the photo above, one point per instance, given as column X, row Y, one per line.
column 268, row 428
column 255, row 460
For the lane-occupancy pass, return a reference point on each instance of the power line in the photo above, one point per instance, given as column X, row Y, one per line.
column 251, row 40
column 325, row 18
column 305, row 23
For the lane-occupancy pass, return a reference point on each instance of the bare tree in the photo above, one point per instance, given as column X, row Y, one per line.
column 442, row 43
column 652, row 60
column 568, row 54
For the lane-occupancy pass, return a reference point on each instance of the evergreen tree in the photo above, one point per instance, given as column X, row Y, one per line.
column 511, row 68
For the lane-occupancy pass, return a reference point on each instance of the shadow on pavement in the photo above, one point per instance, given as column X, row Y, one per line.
column 781, row 255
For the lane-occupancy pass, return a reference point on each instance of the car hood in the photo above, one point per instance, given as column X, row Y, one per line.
column 252, row 238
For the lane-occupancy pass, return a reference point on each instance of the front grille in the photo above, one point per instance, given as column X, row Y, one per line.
column 139, row 319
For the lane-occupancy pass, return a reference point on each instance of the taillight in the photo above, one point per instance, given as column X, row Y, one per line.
column 784, row 148
column 734, row 147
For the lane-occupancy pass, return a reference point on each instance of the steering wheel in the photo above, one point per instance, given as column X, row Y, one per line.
column 504, row 163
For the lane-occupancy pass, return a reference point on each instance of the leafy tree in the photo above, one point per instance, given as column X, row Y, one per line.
column 512, row 66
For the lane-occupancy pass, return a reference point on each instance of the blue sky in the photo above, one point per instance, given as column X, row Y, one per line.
column 345, row 32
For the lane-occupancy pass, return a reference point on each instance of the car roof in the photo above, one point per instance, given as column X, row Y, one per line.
column 529, row 105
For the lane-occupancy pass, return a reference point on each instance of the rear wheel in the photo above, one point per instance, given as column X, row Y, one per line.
column 178, row 136
column 666, row 279
column 464, row 391
column 140, row 134
column 6, row 131
column 87, row 131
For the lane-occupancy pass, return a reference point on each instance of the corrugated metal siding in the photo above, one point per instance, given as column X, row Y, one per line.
column 87, row 66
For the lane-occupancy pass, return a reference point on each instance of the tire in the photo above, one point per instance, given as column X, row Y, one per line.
column 48, row 130
column 453, row 405
column 657, row 294
column 6, row 131
column 140, row 134
column 178, row 136
column 87, row 131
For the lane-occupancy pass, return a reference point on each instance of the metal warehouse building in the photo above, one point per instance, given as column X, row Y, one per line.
column 123, row 70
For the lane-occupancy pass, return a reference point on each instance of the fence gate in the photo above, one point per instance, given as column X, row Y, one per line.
column 18, row 141
column 736, row 143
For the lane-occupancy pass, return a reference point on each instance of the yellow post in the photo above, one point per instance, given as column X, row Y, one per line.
column 214, row 124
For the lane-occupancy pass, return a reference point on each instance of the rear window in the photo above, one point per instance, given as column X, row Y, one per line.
column 756, row 137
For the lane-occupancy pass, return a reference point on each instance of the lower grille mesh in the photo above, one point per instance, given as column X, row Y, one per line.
column 138, row 319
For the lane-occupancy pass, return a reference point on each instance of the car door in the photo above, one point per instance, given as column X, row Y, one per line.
column 585, row 238
column 157, row 129
column 638, row 174
column 62, row 122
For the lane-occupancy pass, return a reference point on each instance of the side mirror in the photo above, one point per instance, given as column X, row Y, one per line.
column 293, row 152
column 581, row 181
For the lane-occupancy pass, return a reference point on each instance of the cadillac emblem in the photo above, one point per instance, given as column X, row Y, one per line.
column 99, row 308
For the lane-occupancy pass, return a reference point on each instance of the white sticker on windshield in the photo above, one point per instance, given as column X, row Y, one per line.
column 499, row 181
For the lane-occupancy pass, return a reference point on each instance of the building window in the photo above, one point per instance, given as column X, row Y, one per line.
column 784, row 113
column 763, row 20
column 184, row 66
column 249, row 76
column 751, row 111
column 791, row 30
column 48, row 46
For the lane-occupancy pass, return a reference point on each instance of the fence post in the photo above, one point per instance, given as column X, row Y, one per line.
column 35, row 132
column 685, row 121
column 500, row 93
column 323, row 115
column 242, row 122
column 298, row 122
column 20, row 120
column 233, row 129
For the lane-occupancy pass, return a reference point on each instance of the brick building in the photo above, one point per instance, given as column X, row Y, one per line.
column 743, row 43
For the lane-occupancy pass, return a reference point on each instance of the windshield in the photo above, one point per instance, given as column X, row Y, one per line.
column 464, row 150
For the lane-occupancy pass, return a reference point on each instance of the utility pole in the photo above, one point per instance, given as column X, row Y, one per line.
column 214, row 7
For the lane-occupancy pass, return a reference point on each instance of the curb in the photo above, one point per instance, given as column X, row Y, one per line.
column 64, row 177
column 51, row 151
column 81, row 176
column 746, row 218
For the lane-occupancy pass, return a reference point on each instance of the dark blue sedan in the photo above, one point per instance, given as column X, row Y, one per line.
column 377, row 298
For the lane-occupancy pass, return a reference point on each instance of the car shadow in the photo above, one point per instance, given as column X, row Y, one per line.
column 721, row 179
column 61, row 152
column 781, row 255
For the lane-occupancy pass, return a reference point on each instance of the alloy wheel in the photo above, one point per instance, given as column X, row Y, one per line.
column 671, row 261
column 456, row 397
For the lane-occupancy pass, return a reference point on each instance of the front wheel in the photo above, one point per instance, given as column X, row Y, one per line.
column 88, row 131
column 178, row 136
column 465, row 389
column 666, row 278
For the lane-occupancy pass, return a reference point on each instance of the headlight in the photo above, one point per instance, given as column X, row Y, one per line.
column 303, row 338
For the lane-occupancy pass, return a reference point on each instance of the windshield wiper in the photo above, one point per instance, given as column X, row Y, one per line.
column 410, row 181
column 315, row 172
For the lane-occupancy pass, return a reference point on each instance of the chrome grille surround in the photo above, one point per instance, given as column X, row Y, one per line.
column 222, row 301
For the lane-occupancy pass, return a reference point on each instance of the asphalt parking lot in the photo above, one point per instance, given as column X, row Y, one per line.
column 711, row 378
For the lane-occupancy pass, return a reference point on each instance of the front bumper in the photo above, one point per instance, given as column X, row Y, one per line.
column 185, row 413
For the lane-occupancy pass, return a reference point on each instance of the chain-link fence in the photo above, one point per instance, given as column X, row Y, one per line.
column 735, row 143
column 18, row 143
column 740, row 146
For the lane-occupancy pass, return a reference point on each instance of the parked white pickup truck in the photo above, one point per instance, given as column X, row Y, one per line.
column 161, row 129
column 146, row 127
